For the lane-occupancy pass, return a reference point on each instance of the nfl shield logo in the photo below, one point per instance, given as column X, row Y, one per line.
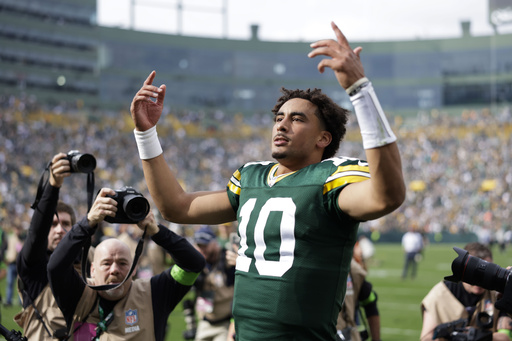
column 131, row 317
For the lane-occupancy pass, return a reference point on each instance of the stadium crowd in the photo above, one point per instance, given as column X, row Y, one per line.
column 456, row 167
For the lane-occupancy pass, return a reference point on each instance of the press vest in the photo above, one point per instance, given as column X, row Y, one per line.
column 133, row 314
column 445, row 307
column 346, row 318
column 45, row 303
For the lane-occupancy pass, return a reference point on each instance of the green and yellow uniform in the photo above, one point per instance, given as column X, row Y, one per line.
column 296, row 248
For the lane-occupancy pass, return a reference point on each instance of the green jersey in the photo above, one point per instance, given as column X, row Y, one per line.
column 295, row 248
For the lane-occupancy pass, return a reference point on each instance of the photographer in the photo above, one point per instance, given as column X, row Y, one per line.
column 215, row 287
column 41, row 318
column 136, row 309
column 359, row 296
column 449, row 301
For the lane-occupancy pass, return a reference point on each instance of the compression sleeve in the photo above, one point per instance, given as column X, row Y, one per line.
column 66, row 283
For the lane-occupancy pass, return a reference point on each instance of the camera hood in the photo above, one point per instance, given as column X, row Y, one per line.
column 476, row 271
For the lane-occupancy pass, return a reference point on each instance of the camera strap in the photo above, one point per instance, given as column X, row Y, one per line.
column 42, row 184
column 85, row 252
column 90, row 190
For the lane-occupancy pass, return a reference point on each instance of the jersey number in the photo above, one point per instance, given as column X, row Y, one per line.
column 286, row 229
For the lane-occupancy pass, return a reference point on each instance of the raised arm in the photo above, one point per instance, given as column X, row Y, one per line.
column 35, row 247
column 385, row 191
column 173, row 202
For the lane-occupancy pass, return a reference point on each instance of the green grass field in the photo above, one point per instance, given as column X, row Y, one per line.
column 399, row 300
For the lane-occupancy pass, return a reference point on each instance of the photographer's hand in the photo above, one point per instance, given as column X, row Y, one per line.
column 150, row 223
column 59, row 169
column 103, row 206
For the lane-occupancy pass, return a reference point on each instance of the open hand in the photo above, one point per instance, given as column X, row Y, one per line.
column 344, row 61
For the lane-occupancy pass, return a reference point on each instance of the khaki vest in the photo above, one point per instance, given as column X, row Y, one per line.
column 346, row 317
column 45, row 303
column 444, row 307
column 48, row 308
column 215, row 282
column 133, row 315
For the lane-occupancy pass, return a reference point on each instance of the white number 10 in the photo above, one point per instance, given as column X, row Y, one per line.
column 287, row 227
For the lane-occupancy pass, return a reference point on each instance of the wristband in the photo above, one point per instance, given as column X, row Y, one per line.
column 354, row 88
column 373, row 123
column 148, row 143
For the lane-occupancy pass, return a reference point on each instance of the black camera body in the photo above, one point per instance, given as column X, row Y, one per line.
column 81, row 163
column 132, row 207
column 458, row 331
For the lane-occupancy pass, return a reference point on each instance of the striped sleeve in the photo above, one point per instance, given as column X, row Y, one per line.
column 346, row 174
column 234, row 183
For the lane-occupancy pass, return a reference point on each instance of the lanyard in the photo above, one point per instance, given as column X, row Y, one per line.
column 104, row 322
column 85, row 251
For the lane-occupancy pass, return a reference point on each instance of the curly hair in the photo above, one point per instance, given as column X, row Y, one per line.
column 330, row 114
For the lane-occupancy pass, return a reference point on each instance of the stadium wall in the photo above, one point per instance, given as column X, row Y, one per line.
column 53, row 49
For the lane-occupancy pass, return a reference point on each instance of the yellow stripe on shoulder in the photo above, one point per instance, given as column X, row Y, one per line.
column 345, row 175
column 233, row 188
column 237, row 175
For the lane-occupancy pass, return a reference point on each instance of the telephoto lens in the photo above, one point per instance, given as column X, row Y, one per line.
column 476, row 271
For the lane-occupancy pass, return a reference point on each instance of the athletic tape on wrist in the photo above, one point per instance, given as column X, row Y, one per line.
column 373, row 123
column 147, row 143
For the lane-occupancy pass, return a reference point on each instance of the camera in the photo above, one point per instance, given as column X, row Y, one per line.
column 476, row 271
column 132, row 207
column 459, row 331
column 81, row 163
column 12, row 335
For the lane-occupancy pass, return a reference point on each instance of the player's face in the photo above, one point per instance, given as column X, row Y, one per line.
column 60, row 226
column 296, row 131
column 112, row 262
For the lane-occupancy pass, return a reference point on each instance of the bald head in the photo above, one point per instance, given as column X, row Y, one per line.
column 111, row 246
column 111, row 264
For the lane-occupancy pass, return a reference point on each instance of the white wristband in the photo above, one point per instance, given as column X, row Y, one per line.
column 373, row 123
column 356, row 85
column 148, row 143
